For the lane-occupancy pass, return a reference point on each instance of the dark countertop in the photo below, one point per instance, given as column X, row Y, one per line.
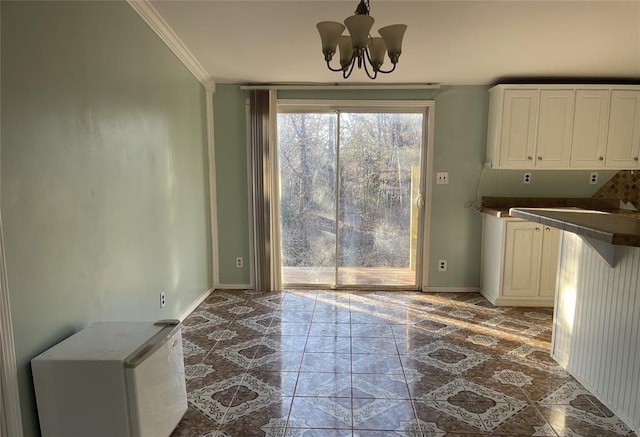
column 611, row 227
column 500, row 206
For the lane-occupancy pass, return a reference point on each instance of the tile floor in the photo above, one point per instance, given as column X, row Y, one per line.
column 340, row 363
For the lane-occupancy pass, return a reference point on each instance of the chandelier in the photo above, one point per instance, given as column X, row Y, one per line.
column 359, row 47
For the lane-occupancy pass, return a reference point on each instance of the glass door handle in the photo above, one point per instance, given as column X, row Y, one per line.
column 419, row 200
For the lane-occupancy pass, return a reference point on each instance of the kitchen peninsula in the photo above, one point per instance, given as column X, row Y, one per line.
column 596, row 331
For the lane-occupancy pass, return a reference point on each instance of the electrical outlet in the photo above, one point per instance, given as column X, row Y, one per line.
column 163, row 300
column 593, row 178
column 442, row 265
column 239, row 262
column 526, row 178
column 442, row 177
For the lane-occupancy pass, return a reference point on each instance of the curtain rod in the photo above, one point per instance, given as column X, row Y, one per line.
column 321, row 86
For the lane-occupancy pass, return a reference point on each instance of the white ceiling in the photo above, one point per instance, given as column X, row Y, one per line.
column 447, row 42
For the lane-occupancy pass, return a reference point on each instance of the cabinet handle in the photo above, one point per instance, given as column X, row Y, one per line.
column 635, row 159
column 539, row 158
column 529, row 158
column 537, row 229
column 547, row 229
column 601, row 159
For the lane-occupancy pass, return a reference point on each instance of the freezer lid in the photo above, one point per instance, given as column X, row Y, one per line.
column 105, row 341
column 168, row 331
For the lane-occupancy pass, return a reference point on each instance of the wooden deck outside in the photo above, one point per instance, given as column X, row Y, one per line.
column 349, row 276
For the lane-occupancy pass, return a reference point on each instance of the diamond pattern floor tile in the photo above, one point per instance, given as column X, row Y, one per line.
column 306, row 363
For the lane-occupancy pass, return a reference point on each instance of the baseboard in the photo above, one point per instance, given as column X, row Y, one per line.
column 490, row 297
column 627, row 420
column 561, row 363
column 232, row 287
column 518, row 301
column 451, row 289
column 514, row 302
column 196, row 303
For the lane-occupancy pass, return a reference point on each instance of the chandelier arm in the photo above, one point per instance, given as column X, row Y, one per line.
column 366, row 69
column 346, row 74
column 333, row 69
column 387, row 71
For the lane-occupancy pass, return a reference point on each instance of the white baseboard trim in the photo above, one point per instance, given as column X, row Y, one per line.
column 195, row 304
column 518, row 301
column 233, row 287
column 451, row 289
column 627, row 420
column 562, row 363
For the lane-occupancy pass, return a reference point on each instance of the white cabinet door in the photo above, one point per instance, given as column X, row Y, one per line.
column 519, row 262
column 518, row 133
column 623, row 141
column 590, row 128
column 555, row 127
column 549, row 261
column 523, row 242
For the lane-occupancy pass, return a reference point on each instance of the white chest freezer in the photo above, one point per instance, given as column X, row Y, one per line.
column 112, row 379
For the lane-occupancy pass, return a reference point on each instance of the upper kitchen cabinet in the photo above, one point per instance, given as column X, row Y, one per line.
column 623, row 142
column 555, row 128
column 564, row 127
column 516, row 119
column 530, row 127
column 590, row 128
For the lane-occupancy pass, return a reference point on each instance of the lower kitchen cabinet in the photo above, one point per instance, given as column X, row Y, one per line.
column 519, row 262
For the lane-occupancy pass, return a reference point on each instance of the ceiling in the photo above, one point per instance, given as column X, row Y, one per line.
column 447, row 42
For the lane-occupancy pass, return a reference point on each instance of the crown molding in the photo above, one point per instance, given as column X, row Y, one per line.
column 150, row 15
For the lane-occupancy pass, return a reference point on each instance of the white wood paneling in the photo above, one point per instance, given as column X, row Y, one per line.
column 597, row 324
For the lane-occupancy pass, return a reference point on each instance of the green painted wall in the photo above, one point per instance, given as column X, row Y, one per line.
column 104, row 177
column 459, row 148
column 231, row 182
column 553, row 183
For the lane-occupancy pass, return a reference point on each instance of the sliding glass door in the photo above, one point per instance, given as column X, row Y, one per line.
column 350, row 196
column 307, row 159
